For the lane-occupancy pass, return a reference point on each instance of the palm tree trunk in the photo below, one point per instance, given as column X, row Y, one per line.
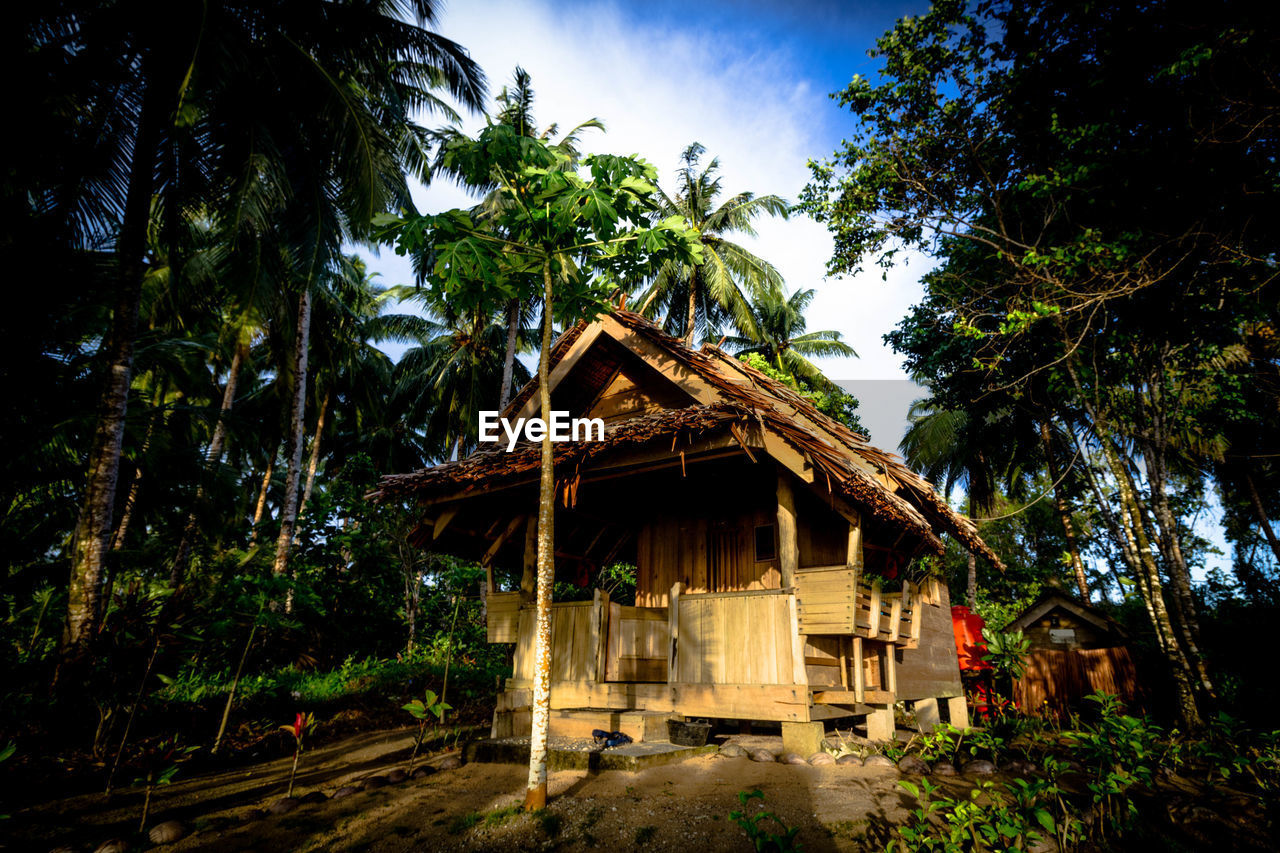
column 1064, row 512
column 314, row 462
column 971, row 586
column 261, row 506
column 212, row 457
column 131, row 501
column 293, row 478
column 509, row 358
column 1263, row 522
column 693, row 308
column 536, row 795
column 93, row 526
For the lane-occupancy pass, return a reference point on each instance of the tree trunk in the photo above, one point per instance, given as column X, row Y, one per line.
column 1263, row 521
column 261, row 506
column 971, row 586
column 93, row 526
column 1064, row 512
column 536, row 795
column 293, row 478
column 314, row 461
column 693, row 308
column 212, row 457
column 131, row 501
column 509, row 358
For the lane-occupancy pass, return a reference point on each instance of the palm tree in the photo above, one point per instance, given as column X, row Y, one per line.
column 719, row 288
column 445, row 380
column 948, row 448
column 288, row 116
column 777, row 333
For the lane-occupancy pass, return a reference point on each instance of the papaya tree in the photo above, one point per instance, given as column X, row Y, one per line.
column 563, row 235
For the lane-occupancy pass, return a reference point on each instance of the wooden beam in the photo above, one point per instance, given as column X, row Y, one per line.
column 873, row 612
column 562, row 368
column 487, row 559
column 442, row 521
column 799, row 673
column 788, row 546
column 529, row 579
column 600, row 630
column 859, row 678
column 853, row 553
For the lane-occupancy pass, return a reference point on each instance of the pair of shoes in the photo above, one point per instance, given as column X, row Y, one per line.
column 608, row 739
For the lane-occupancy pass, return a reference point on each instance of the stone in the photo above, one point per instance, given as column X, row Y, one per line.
column 395, row 777
column 312, row 798
column 63, row 850
column 791, row 758
column 283, row 805
column 850, row 760
column 732, row 750
column 374, row 782
column 344, row 791
column 980, row 767
column 878, row 761
column 112, row 845
column 913, row 765
column 167, row 832
column 958, row 712
column 763, row 755
column 423, row 771
column 821, row 759
column 944, row 768
column 1020, row 766
column 450, row 762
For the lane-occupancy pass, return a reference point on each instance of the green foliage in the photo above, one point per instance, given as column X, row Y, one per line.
column 765, row 830
column 430, row 706
column 829, row 399
column 1007, row 652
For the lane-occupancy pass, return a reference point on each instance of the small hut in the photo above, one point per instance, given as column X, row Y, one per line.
column 1076, row 649
column 774, row 549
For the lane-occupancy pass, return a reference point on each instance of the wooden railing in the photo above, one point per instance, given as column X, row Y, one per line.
column 834, row 600
column 735, row 638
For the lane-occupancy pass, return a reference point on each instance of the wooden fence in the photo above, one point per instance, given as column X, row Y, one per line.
column 1054, row 681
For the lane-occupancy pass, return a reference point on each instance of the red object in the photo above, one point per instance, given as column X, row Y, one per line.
column 971, row 648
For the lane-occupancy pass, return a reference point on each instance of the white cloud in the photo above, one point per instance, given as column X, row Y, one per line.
column 659, row 89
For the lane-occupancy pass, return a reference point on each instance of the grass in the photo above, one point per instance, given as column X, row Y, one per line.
column 465, row 822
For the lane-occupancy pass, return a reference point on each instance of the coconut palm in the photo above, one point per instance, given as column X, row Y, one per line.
column 720, row 288
column 778, row 335
column 284, row 116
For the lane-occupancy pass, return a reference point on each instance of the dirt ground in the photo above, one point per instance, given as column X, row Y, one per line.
column 676, row 807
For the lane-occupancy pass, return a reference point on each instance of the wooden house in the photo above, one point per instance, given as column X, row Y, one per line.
column 774, row 549
column 1076, row 649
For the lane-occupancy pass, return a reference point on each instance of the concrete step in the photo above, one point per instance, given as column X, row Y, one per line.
column 638, row 725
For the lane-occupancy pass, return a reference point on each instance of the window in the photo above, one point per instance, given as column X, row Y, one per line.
column 766, row 543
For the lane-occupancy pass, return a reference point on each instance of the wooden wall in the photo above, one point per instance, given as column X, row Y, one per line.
column 575, row 643
column 932, row 669
column 736, row 638
column 639, row 643
column 1054, row 681
column 822, row 534
column 1086, row 634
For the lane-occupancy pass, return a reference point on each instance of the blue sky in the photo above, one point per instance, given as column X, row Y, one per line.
column 751, row 82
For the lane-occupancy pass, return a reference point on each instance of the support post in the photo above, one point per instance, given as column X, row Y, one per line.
column 927, row 717
column 673, row 656
column 853, row 553
column 958, row 712
column 859, row 675
column 804, row 739
column 528, row 580
column 880, row 725
column 788, row 546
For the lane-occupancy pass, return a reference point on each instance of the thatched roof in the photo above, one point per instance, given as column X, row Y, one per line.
column 875, row 480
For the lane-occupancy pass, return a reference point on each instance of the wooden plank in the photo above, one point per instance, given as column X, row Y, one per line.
column 850, row 697
column 798, row 674
column 673, row 669
column 788, row 547
column 600, row 632
column 502, row 617
column 873, row 628
column 562, row 368
column 780, row 702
